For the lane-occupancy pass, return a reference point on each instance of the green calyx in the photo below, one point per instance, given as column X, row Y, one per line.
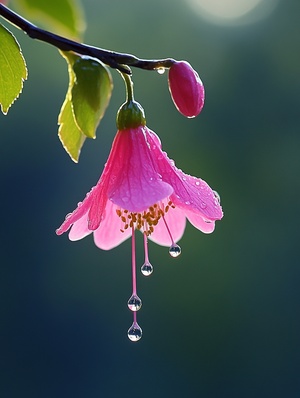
column 130, row 115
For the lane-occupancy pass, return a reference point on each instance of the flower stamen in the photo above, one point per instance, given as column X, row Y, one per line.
column 174, row 250
column 134, row 302
column 145, row 220
column 147, row 267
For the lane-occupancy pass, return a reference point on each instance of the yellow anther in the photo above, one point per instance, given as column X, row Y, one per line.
column 146, row 220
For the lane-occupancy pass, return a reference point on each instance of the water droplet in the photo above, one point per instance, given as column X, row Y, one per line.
column 134, row 303
column 183, row 178
column 197, row 183
column 187, row 202
column 134, row 332
column 217, row 196
column 161, row 70
column 147, row 269
column 203, row 205
column 68, row 216
column 175, row 250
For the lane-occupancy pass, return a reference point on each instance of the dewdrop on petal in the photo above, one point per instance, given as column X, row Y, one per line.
column 186, row 88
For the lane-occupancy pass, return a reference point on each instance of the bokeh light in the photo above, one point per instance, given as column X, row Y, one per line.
column 233, row 12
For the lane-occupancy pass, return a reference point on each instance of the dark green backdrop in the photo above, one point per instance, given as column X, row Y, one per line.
column 223, row 319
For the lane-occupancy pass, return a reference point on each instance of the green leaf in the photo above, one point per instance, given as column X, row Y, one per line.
column 69, row 134
column 90, row 94
column 63, row 16
column 13, row 69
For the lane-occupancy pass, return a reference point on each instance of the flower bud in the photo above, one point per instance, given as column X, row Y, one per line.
column 186, row 88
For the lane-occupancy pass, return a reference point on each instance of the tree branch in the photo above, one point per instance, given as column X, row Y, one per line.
column 120, row 61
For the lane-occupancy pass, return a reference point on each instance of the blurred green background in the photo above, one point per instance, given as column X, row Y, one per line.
column 223, row 318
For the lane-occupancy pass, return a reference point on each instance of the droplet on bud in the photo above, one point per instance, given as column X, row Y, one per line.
column 134, row 303
column 175, row 250
column 134, row 332
column 161, row 70
column 147, row 269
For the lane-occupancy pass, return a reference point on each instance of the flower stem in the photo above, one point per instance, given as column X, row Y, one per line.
column 133, row 262
column 120, row 61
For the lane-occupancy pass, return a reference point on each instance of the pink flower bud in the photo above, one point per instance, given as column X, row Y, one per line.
column 186, row 89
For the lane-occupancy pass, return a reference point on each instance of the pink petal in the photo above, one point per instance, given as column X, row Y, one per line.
column 138, row 184
column 108, row 235
column 190, row 193
column 195, row 194
column 80, row 228
column 79, row 212
column 176, row 222
column 198, row 222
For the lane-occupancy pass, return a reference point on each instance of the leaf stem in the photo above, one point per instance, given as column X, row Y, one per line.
column 120, row 61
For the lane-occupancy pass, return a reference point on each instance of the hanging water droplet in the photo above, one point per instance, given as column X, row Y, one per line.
column 134, row 303
column 147, row 269
column 134, row 332
column 161, row 70
column 217, row 196
column 175, row 250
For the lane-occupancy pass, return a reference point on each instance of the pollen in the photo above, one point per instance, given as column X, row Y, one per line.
column 146, row 220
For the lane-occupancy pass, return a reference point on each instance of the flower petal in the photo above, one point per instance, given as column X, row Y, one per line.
column 198, row 222
column 190, row 193
column 76, row 215
column 80, row 228
column 194, row 194
column 138, row 184
column 109, row 234
column 176, row 221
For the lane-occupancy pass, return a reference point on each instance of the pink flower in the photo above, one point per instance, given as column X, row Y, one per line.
column 186, row 89
column 141, row 188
